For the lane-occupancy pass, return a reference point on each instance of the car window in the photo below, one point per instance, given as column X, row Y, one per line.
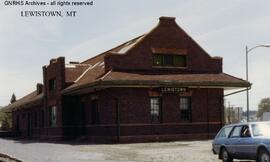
column 224, row 133
column 261, row 129
column 236, row 131
column 245, row 131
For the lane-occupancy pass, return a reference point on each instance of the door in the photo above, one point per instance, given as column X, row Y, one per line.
column 17, row 122
column 81, row 120
column 247, row 147
column 95, row 111
column 29, row 125
column 232, row 143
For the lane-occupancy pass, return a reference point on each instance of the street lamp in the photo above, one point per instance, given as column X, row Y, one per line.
column 247, row 52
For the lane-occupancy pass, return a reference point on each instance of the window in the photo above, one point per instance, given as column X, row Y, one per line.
column 261, row 129
column 245, row 131
column 179, row 61
column 224, row 133
column 52, row 115
column 236, row 131
column 158, row 60
column 185, row 109
column 52, row 84
column 155, row 109
column 169, row 60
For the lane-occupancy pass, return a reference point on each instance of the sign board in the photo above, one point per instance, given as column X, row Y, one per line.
column 173, row 89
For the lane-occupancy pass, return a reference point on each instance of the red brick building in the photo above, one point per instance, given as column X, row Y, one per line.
column 159, row 86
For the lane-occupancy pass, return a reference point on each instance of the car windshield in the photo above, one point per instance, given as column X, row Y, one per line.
column 261, row 129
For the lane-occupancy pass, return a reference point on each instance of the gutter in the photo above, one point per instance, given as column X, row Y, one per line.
column 243, row 90
column 236, row 92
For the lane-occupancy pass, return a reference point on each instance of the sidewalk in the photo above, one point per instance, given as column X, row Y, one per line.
column 32, row 151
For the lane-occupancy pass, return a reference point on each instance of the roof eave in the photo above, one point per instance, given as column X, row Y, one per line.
column 153, row 83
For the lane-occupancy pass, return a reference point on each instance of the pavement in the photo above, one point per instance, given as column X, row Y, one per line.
column 35, row 151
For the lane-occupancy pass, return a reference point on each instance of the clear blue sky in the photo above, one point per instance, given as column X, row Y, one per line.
column 222, row 28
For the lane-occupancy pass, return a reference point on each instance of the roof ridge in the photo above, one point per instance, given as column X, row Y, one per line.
column 79, row 64
column 136, row 41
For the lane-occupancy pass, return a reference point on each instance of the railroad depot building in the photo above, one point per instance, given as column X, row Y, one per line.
column 159, row 86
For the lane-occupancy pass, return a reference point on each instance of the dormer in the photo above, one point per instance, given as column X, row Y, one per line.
column 166, row 47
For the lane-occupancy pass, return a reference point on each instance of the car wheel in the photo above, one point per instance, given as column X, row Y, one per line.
column 225, row 156
column 263, row 156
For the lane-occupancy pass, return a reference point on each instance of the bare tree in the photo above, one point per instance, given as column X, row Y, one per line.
column 264, row 106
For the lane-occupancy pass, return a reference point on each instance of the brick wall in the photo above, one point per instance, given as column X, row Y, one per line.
column 54, row 71
column 134, row 104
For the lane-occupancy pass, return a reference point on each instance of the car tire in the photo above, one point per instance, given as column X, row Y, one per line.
column 263, row 156
column 225, row 156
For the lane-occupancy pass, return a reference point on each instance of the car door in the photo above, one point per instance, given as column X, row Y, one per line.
column 232, row 143
column 247, row 148
column 221, row 138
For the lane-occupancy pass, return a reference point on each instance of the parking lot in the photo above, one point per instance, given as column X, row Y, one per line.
column 33, row 151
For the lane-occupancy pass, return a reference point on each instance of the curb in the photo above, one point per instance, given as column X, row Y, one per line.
column 6, row 158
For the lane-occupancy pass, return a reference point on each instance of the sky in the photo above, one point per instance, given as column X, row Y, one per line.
column 222, row 28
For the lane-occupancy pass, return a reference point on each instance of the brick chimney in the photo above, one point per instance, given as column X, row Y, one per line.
column 167, row 20
column 39, row 88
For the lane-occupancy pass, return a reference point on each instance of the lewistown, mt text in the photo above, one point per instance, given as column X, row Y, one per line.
column 41, row 14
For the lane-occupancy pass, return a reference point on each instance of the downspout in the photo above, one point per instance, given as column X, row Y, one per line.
column 207, row 113
column 243, row 90
column 222, row 112
column 118, row 120
column 222, row 117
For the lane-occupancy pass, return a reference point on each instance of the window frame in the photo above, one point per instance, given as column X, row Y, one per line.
column 156, row 117
column 53, row 115
column 157, row 58
column 186, row 113
column 237, row 126
column 223, row 131
column 183, row 57
column 243, row 131
column 52, row 84
column 169, row 60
